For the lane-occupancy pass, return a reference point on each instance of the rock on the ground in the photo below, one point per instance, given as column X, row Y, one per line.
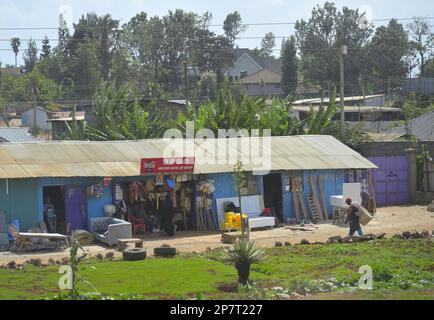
column 380, row 235
column 335, row 239
column 283, row 296
column 304, row 241
column 278, row 244
column 287, row 244
column 109, row 255
column 99, row 256
column 426, row 234
column 35, row 262
column 64, row 261
column 12, row 265
column 367, row 237
column 406, row 234
column 277, row 289
column 51, row 262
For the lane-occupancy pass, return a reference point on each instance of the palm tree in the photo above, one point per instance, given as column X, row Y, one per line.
column 15, row 44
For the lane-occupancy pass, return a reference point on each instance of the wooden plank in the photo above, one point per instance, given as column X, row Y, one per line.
column 315, row 197
column 300, row 196
column 295, row 204
column 323, row 199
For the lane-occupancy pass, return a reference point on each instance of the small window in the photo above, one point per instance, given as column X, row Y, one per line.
column 252, row 186
column 243, row 74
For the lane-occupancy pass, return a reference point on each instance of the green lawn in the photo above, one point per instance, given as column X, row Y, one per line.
column 402, row 270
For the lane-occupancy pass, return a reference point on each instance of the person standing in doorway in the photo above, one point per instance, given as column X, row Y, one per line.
column 353, row 218
column 50, row 214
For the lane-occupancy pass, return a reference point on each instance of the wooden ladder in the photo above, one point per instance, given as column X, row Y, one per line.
column 313, row 209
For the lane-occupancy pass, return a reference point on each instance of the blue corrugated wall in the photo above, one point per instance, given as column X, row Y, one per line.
column 224, row 187
column 333, row 183
column 332, row 179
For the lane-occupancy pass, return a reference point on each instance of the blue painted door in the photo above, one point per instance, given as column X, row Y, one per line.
column 76, row 207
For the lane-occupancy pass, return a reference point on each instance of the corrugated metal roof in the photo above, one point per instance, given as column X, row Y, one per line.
column 422, row 127
column 384, row 136
column 122, row 158
column 307, row 108
column 326, row 99
column 12, row 134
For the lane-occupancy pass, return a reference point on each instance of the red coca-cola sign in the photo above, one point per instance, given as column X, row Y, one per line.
column 167, row 165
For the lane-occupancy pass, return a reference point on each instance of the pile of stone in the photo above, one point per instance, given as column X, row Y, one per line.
column 431, row 207
column 364, row 238
column 425, row 234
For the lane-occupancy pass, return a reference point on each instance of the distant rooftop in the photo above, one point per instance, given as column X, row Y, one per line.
column 422, row 127
column 16, row 135
column 327, row 100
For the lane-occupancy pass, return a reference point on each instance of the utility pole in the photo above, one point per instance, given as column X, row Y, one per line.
column 35, row 115
column 388, row 93
column 343, row 53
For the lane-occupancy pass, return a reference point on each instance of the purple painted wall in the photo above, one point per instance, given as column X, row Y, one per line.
column 76, row 207
column 390, row 180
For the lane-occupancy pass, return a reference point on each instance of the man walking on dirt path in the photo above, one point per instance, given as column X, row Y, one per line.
column 353, row 218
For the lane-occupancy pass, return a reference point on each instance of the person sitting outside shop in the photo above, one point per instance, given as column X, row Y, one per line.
column 138, row 211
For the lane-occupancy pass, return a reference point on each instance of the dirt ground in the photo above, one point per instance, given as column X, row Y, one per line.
column 390, row 220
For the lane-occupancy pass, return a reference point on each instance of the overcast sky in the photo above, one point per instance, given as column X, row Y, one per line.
column 44, row 13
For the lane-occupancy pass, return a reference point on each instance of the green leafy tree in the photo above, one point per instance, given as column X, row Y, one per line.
column 120, row 115
column 320, row 39
column 46, row 48
column 421, row 40
column 429, row 69
column 289, row 66
column 387, row 51
column 268, row 44
column 85, row 70
column 15, row 45
column 30, row 56
column 232, row 26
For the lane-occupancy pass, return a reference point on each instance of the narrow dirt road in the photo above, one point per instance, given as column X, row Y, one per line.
column 390, row 220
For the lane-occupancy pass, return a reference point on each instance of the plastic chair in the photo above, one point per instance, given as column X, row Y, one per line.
column 138, row 224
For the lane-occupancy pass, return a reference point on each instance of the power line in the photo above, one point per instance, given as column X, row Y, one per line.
column 221, row 25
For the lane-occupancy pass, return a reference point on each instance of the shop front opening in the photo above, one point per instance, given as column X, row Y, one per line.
column 273, row 193
column 144, row 200
column 54, row 209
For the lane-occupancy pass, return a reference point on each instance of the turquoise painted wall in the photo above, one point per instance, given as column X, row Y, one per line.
column 21, row 201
